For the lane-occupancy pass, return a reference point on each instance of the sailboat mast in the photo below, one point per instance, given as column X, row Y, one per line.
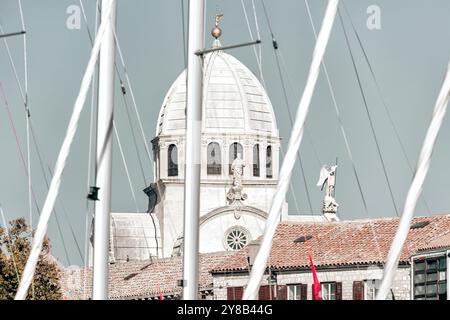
column 193, row 149
column 104, row 155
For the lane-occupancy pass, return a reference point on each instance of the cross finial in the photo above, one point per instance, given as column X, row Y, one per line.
column 216, row 32
column 218, row 17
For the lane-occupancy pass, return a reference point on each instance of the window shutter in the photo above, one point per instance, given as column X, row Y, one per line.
column 235, row 293
column 264, row 293
column 282, row 292
column 304, row 292
column 312, row 292
column 358, row 290
column 338, row 290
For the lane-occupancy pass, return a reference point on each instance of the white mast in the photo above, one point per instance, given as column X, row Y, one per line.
column 193, row 149
column 104, row 155
column 260, row 263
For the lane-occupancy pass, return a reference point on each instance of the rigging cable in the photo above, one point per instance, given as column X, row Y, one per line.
column 41, row 162
column 368, row 114
column 92, row 141
column 338, row 115
column 27, row 114
column 123, row 90
column 9, row 243
column 27, row 120
column 344, row 135
column 258, row 57
column 287, row 167
column 22, row 157
column 24, row 100
column 279, row 57
column 416, row 187
column 383, row 101
column 125, row 166
column 258, row 60
column 184, row 33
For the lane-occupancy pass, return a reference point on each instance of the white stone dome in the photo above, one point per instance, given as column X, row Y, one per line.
column 234, row 101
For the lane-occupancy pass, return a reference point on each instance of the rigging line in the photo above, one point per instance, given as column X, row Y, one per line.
column 13, row 66
column 125, row 166
column 123, row 88
column 307, row 132
column 93, row 110
column 67, row 218
column 383, row 101
column 58, row 224
column 297, row 207
column 259, row 62
column 299, row 158
column 344, row 134
column 259, row 266
column 10, row 243
column 286, row 100
column 129, row 117
column 416, row 187
column 278, row 49
column 127, row 77
column 368, row 114
column 184, row 33
column 49, row 203
column 279, row 58
column 27, row 110
column 339, row 118
column 25, row 63
column 258, row 34
column 261, row 76
column 130, row 123
column 22, row 157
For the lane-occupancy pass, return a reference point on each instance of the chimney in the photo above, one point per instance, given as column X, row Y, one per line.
column 252, row 250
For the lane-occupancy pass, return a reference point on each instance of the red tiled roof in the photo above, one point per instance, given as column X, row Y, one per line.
column 136, row 279
column 344, row 243
column 357, row 242
column 440, row 242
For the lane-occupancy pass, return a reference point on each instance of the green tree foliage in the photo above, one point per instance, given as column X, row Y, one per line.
column 15, row 246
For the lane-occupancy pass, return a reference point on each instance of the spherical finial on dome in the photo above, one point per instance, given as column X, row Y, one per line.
column 216, row 32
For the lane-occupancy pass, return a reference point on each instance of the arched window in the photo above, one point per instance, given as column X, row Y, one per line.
column 269, row 162
column 172, row 161
column 235, row 149
column 214, row 165
column 256, row 160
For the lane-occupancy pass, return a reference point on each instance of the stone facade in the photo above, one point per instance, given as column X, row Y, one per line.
column 347, row 276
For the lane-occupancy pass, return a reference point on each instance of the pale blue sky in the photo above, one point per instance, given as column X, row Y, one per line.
column 409, row 56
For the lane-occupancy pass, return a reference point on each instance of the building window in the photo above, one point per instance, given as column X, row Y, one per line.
column 214, row 165
column 172, row 161
column 235, row 149
column 236, row 238
column 331, row 291
column 430, row 281
column 370, row 289
column 297, row 291
column 256, row 160
column 269, row 162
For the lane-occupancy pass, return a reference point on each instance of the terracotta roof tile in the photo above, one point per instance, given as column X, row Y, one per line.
column 440, row 242
column 342, row 243
column 345, row 243
column 136, row 279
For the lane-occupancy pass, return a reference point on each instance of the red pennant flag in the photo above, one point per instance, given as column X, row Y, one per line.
column 161, row 297
column 316, row 287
